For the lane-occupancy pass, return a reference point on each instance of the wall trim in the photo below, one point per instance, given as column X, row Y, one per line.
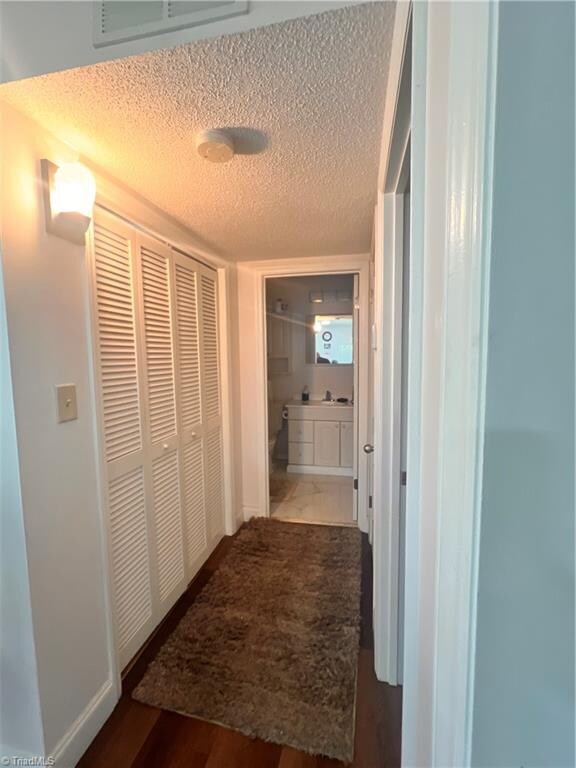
column 400, row 38
column 81, row 733
column 454, row 90
column 250, row 512
column 258, row 271
column 388, row 269
column 307, row 469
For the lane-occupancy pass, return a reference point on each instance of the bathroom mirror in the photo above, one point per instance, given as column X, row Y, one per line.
column 329, row 340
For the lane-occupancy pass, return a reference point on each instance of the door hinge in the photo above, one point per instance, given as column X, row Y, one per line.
column 355, row 483
column 402, row 478
column 369, row 502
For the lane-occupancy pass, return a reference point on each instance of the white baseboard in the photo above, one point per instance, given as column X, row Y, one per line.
column 83, row 731
column 249, row 512
column 307, row 469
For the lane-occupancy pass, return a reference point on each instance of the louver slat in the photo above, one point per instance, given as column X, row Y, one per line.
column 210, row 349
column 125, row 14
column 194, row 500
column 120, row 20
column 187, row 318
column 130, row 556
column 117, row 343
column 158, row 344
column 168, row 522
column 188, row 7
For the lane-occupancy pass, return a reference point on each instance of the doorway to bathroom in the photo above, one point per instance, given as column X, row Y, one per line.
column 312, row 389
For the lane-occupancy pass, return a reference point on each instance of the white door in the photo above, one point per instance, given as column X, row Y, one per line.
column 346, row 443
column 356, row 357
column 157, row 363
column 162, row 447
column 211, row 404
column 327, row 443
column 190, row 409
column 119, row 369
column 403, row 434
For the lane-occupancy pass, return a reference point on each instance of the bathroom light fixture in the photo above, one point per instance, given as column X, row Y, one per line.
column 69, row 194
column 316, row 297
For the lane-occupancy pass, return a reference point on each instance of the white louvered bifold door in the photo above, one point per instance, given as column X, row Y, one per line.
column 160, row 422
column 211, row 403
column 158, row 370
column 122, row 432
column 186, row 281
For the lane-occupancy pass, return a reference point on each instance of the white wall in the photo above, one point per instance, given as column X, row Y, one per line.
column 524, row 681
column 46, row 288
column 46, row 294
column 20, row 720
column 40, row 36
column 296, row 291
column 252, row 416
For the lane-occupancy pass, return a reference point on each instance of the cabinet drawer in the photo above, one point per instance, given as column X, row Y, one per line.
column 301, row 431
column 300, row 453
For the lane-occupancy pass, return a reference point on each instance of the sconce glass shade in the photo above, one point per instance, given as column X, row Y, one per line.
column 73, row 191
column 69, row 192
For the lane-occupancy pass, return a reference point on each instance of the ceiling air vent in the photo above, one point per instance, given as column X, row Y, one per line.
column 116, row 21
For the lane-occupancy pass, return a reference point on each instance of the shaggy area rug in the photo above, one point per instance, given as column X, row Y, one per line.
column 270, row 646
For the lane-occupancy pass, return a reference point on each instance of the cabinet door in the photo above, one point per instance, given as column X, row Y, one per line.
column 346, row 443
column 279, row 336
column 327, row 443
column 300, row 431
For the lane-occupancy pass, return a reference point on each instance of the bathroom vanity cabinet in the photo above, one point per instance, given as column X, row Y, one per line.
column 321, row 438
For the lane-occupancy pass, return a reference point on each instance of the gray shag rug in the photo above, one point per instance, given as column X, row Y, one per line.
column 270, row 646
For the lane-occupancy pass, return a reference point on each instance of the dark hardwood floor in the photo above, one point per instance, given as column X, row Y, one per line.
column 138, row 736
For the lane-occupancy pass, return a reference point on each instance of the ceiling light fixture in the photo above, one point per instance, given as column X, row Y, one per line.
column 69, row 194
column 215, row 145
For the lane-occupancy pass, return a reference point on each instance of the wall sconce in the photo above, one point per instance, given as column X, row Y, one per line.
column 69, row 194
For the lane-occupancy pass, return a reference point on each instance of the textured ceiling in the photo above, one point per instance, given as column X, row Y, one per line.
column 305, row 99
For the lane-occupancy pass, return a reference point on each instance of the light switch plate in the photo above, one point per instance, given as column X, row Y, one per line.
column 66, row 400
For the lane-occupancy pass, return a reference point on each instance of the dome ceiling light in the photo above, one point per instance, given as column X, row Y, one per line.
column 215, row 145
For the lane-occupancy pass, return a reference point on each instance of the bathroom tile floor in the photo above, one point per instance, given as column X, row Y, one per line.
column 311, row 498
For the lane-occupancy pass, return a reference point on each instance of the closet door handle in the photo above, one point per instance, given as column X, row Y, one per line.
column 165, row 446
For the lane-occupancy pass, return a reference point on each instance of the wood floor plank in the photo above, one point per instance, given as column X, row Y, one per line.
column 122, row 736
column 137, row 736
column 177, row 742
column 293, row 758
column 234, row 750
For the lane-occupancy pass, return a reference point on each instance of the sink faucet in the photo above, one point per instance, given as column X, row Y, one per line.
column 328, row 396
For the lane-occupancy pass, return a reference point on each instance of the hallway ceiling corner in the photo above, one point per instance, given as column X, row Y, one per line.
column 303, row 101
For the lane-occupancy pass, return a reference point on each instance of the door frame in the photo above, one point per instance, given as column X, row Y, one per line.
column 388, row 270
column 388, row 276
column 452, row 144
column 258, row 272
